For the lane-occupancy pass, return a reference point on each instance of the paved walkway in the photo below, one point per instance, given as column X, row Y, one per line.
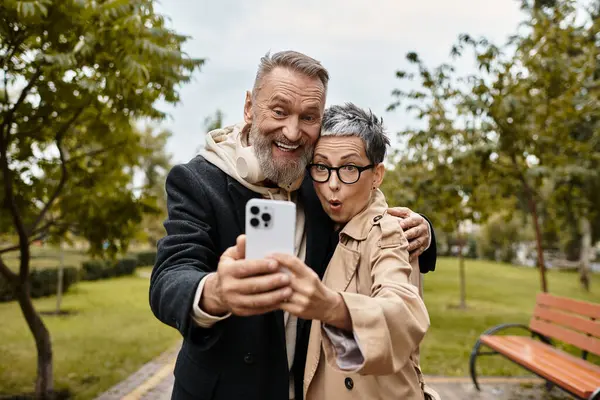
column 154, row 381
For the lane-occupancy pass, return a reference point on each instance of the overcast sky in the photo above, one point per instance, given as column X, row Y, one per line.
column 361, row 43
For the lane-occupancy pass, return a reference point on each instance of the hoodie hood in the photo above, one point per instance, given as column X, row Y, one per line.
column 227, row 149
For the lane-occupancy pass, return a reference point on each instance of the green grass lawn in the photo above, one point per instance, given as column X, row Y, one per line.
column 112, row 334
column 496, row 294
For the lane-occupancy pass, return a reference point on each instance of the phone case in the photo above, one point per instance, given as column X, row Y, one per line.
column 270, row 227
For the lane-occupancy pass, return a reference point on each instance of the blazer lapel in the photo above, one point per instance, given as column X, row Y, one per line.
column 240, row 196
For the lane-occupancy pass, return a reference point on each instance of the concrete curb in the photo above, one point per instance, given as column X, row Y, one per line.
column 144, row 380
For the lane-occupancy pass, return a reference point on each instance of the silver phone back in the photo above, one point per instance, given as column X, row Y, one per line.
column 270, row 227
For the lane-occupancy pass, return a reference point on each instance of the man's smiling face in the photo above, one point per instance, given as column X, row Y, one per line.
column 285, row 116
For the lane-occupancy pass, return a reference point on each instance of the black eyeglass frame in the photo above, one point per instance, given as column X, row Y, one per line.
column 337, row 171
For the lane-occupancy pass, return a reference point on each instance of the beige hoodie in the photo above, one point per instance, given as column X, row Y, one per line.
column 228, row 150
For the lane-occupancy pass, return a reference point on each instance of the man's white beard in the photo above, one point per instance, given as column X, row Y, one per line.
column 283, row 174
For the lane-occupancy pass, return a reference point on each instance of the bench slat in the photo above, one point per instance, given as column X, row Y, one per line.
column 549, row 363
column 585, row 308
column 553, row 360
column 568, row 320
column 595, row 369
column 563, row 364
column 584, row 342
column 567, row 377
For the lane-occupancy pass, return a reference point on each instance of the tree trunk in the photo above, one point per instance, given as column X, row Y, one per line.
column 44, row 385
column 59, row 286
column 586, row 247
column 538, row 235
column 462, row 275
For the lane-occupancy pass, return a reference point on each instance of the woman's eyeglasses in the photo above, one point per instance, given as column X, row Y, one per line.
column 348, row 174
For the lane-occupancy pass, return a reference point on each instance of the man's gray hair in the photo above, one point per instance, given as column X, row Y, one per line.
column 294, row 61
column 350, row 120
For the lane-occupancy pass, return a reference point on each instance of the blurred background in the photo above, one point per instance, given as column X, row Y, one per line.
column 492, row 106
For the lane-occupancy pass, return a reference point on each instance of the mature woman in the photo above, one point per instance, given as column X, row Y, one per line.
column 369, row 316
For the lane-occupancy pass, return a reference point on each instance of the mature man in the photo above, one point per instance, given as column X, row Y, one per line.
column 238, row 344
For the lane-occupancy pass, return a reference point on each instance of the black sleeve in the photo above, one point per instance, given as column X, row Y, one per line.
column 428, row 259
column 184, row 256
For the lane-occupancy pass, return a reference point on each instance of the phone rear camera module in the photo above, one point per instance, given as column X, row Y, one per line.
column 254, row 210
column 266, row 217
column 254, row 222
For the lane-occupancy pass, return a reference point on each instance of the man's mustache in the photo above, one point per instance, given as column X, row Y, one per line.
column 284, row 140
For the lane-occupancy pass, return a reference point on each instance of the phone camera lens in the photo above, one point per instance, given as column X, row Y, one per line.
column 254, row 222
column 254, row 210
column 266, row 217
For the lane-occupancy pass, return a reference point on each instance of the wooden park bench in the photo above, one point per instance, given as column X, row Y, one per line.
column 573, row 322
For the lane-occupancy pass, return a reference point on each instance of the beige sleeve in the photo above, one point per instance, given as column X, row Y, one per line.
column 390, row 322
column 200, row 317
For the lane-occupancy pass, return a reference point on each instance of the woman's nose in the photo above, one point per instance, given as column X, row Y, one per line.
column 334, row 182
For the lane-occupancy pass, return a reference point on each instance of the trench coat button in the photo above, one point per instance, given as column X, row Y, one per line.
column 249, row 359
column 377, row 218
column 349, row 383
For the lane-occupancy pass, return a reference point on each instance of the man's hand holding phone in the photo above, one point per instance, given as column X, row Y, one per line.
column 245, row 287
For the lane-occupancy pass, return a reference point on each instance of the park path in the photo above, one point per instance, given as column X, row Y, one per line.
column 154, row 381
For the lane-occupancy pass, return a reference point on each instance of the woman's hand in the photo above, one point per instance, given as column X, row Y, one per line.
column 310, row 298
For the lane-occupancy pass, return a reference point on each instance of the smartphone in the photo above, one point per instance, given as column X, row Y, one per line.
column 270, row 228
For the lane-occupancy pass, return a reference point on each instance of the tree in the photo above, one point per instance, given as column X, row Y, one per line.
column 211, row 123
column 215, row 121
column 515, row 117
column 576, row 184
column 499, row 234
column 75, row 74
column 154, row 165
column 438, row 165
column 423, row 185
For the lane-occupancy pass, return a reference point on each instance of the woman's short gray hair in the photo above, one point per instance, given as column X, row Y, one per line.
column 294, row 61
column 350, row 120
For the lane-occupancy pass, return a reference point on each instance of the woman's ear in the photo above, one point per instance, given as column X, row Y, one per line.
column 379, row 172
column 248, row 108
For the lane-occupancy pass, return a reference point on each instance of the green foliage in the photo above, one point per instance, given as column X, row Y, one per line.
column 528, row 119
column 67, row 139
column 44, row 282
column 76, row 76
column 94, row 270
column 154, row 165
column 146, row 258
column 215, row 121
column 125, row 266
column 500, row 233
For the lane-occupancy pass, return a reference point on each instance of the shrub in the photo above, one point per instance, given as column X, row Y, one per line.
column 6, row 292
column 126, row 266
column 44, row 282
column 146, row 258
column 94, row 270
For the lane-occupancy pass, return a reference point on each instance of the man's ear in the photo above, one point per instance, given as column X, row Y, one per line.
column 248, row 108
column 379, row 174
